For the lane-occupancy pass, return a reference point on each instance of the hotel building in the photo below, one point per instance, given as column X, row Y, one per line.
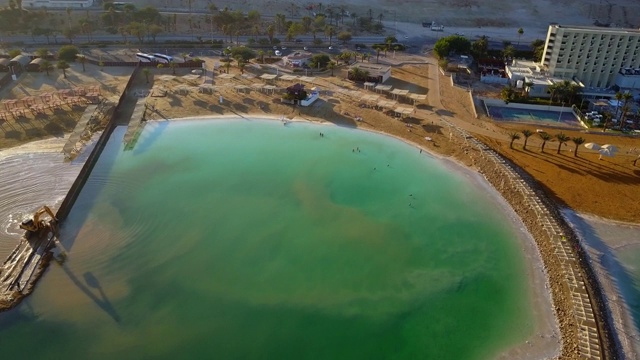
column 594, row 56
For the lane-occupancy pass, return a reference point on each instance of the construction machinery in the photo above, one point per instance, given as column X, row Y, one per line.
column 36, row 224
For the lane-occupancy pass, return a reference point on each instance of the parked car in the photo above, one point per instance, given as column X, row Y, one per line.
column 330, row 47
column 298, row 40
column 278, row 53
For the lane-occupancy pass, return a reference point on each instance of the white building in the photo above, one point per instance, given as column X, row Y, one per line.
column 592, row 55
column 56, row 4
column 628, row 78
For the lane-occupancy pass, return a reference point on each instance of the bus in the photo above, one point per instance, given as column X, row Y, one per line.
column 163, row 59
column 145, row 58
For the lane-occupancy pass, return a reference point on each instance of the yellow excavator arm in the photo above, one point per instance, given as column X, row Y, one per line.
column 35, row 224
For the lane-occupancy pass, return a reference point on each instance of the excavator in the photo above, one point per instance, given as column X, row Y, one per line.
column 36, row 224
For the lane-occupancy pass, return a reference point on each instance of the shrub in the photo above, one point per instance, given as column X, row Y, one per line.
column 68, row 53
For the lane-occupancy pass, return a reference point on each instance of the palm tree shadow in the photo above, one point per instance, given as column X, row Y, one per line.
column 92, row 282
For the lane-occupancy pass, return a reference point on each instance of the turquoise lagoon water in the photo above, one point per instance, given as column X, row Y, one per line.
column 248, row 239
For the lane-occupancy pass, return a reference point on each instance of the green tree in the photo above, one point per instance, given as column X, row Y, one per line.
column 520, row 32
column 319, row 61
column 480, row 47
column 527, row 87
column 378, row 48
column 172, row 65
column 82, row 60
column 68, row 53
column 513, row 136
column 508, row 93
column 63, row 65
column 607, row 116
column 14, row 52
column 42, row 53
column 357, row 74
column 526, row 133
column 390, row 39
column 331, row 66
column 154, row 30
column 270, row 33
column 626, row 97
column 136, row 29
column 46, row 66
column 509, row 52
column 577, row 141
column 449, row 44
column 545, row 137
column 243, row 52
column 329, row 31
column 146, row 73
column 538, row 47
column 562, row 139
column 261, row 56
column 344, row 36
column 70, row 34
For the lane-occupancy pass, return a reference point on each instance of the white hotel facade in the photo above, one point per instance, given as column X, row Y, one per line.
column 597, row 57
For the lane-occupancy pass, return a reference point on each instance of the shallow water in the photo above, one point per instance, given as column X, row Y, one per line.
column 250, row 239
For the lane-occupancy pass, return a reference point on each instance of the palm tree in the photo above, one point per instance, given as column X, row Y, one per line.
column 146, row 73
column 172, row 65
column 545, row 137
column 329, row 31
column 68, row 10
column 520, row 32
column 607, row 119
column 526, row 133
column 618, row 98
column 578, row 141
column 527, row 87
column 63, row 65
column 241, row 63
column 625, row 106
column 507, row 93
column 331, row 66
column 514, row 136
column 46, row 66
column 261, row 56
column 562, row 139
column 82, row 60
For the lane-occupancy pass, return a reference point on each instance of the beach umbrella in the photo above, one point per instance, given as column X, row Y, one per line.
column 592, row 146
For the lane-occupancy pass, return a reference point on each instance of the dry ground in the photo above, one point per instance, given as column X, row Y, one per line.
column 55, row 123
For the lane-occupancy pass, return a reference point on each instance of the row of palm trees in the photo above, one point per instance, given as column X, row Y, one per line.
column 560, row 137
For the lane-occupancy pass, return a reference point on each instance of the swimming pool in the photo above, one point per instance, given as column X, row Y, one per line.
column 501, row 113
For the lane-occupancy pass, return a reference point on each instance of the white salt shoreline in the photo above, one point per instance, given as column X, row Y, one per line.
column 600, row 238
